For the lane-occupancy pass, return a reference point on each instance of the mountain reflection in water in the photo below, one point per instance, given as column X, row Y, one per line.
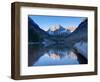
column 39, row 55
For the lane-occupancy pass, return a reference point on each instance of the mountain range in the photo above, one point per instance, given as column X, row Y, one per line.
column 56, row 33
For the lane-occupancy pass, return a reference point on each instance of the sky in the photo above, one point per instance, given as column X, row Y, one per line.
column 45, row 22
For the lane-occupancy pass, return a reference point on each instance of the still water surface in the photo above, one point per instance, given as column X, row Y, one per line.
column 39, row 55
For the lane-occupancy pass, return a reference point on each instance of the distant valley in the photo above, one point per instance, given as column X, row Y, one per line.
column 57, row 33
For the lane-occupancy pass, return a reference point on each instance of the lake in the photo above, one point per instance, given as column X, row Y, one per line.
column 41, row 55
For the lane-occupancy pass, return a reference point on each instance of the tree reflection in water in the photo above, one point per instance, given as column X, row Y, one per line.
column 39, row 55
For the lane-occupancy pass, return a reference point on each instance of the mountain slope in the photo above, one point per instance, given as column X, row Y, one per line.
column 80, row 34
column 34, row 32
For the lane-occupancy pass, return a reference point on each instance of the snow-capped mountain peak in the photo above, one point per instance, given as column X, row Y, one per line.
column 56, row 27
column 57, row 30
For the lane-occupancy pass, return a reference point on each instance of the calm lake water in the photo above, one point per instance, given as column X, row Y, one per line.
column 40, row 55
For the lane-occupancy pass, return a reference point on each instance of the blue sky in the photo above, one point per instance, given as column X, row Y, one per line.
column 46, row 21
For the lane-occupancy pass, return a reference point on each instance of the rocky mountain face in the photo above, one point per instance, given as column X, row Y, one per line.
column 71, row 29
